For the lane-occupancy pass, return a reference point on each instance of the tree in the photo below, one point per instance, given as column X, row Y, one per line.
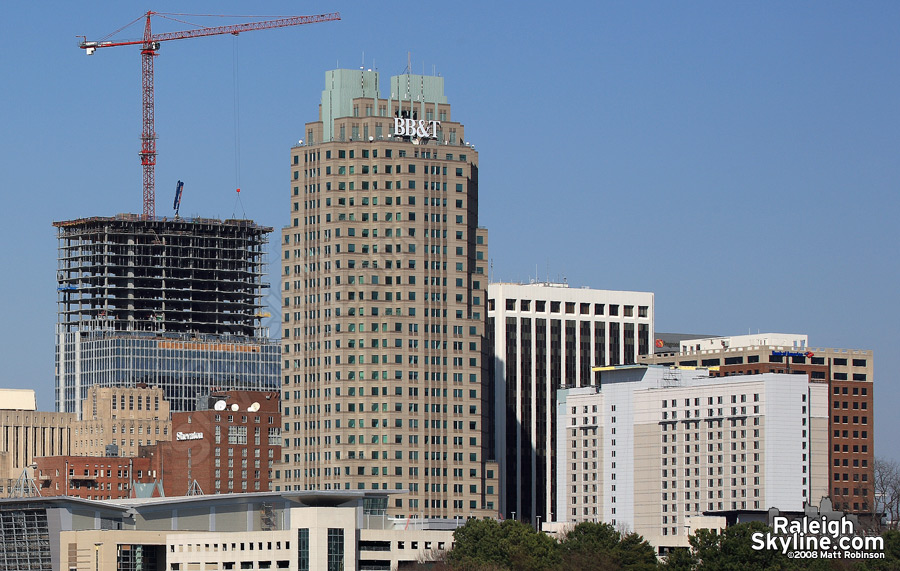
column 887, row 491
column 679, row 559
column 732, row 550
column 489, row 545
column 599, row 546
column 476, row 543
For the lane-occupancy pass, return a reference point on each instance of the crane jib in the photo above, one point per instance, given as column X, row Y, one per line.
column 149, row 44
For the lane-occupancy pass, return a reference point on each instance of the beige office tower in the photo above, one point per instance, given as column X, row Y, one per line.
column 117, row 421
column 384, row 284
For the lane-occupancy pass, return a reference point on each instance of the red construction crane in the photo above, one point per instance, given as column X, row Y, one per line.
column 149, row 48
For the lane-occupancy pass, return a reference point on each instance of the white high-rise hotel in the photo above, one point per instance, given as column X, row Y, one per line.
column 653, row 445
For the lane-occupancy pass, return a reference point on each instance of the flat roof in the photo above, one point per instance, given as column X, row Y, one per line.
column 311, row 498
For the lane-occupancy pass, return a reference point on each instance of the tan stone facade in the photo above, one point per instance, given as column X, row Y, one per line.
column 126, row 417
column 28, row 434
column 384, row 279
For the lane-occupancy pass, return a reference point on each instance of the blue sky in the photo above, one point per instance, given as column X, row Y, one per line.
column 740, row 160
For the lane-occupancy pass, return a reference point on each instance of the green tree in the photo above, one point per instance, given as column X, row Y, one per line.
column 598, row 547
column 732, row 550
column 679, row 559
column 487, row 544
column 891, row 554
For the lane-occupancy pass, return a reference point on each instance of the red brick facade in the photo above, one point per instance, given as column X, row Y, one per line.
column 91, row 477
column 224, row 451
column 851, row 423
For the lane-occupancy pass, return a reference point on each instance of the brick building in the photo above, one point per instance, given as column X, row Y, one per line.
column 227, row 447
column 91, row 477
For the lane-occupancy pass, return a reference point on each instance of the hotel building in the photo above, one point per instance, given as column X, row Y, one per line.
column 546, row 337
column 849, row 376
column 384, row 288
column 228, row 444
column 653, row 445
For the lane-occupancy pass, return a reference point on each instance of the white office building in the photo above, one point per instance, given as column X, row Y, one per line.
column 546, row 337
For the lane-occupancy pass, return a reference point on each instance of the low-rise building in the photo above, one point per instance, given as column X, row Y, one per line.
column 300, row 531
column 26, row 434
column 91, row 477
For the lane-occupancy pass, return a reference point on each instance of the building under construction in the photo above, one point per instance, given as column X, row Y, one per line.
column 175, row 303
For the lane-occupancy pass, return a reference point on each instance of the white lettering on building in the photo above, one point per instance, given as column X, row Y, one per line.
column 404, row 127
column 188, row 436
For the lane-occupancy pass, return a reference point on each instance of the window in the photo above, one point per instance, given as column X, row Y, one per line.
column 303, row 549
column 335, row 549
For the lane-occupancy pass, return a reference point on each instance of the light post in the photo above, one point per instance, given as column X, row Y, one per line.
column 514, row 515
column 538, row 523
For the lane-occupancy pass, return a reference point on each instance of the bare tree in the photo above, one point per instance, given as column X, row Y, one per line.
column 887, row 492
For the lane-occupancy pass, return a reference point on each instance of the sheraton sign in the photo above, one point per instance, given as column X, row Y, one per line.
column 188, row 436
column 419, row 128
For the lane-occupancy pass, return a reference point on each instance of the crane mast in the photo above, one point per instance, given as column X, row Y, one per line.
column 149, row 49
column 148, row 127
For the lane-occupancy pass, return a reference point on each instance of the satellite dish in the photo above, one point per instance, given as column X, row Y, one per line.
column 371, row 138
column 220, row 405
column 235, row 407
column 253, row 407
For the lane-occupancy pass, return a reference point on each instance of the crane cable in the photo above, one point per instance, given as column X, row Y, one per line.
column 237, row 129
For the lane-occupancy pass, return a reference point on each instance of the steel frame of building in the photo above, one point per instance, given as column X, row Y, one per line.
column 182, row 275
